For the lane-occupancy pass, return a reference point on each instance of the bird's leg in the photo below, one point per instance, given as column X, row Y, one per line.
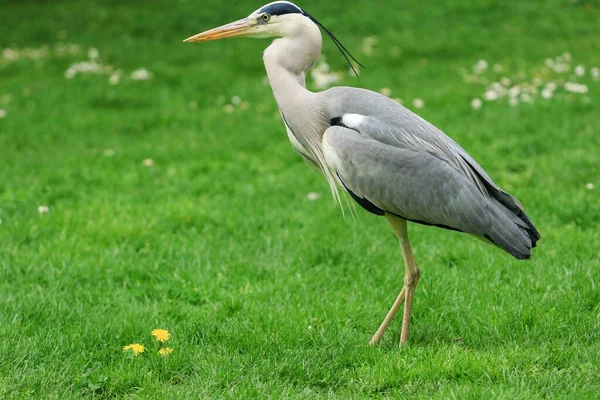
column 411, row 271
column 389, row 317
column 411, row 277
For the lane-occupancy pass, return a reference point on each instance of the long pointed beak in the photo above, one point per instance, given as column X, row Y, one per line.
column 237, row 28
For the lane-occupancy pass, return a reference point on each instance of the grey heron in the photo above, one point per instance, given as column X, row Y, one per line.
column 389, row 160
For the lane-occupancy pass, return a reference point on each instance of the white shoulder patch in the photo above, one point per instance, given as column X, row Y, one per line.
column 352, row 120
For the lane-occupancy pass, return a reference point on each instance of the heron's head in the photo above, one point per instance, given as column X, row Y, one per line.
column 277, row 19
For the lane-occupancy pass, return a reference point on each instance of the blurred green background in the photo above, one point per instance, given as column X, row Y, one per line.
column 146, row 183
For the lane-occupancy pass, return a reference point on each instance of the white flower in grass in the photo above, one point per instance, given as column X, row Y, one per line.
column 244, row 105
column 43, row 209
column 368, row 43
column 321, row 76
column 398, row 100
column 560, row 67
column 386, row 91
column 108, row 152
column 2, row 113
column 10, row 54
column 148, row 162
column 547, row 93
column 418, row 103
column 525, row 97
column 537, row 81
column 87, row 67
column 498, row 88
column 93, row 54
column 236, row 100
column 513, row 102
column 490, row 95
column 498, row 68
column 480, row 66
column 590, row 186
column 579, row 70
column 312, row 196
column 514, row 91
column 229, row 108
column 115, row 77
column 36, row 54
column 567, row 57
column 141, row 74
column 476, row 104
column 574, row 87
column 595, row 72
column 324, row 80
column 505, row 81
column 551, row 86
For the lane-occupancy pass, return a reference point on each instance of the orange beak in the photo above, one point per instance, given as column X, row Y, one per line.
column 237, row 28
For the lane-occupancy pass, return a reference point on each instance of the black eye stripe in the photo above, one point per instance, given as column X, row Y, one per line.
column 281, row 9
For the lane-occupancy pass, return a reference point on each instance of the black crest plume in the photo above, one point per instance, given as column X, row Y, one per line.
column 347, row 55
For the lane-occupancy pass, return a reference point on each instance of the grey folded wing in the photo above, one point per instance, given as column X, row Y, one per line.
column 419, row 180
column 409, row 183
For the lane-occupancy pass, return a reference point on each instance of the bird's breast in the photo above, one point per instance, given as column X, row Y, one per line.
column 295, row 143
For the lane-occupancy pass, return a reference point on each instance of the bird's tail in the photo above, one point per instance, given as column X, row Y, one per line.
column 512, row 231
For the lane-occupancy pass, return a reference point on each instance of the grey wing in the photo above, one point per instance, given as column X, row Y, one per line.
column 384, row 120
column 391, row 123
column 417, row 185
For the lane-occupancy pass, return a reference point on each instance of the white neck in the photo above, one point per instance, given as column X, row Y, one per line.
column 287, row 60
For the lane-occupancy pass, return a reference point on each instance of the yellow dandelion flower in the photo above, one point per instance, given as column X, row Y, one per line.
column 165, row 352
column 162, row 335
column 136, row 348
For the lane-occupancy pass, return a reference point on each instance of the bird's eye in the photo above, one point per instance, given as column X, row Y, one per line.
column 266, row 17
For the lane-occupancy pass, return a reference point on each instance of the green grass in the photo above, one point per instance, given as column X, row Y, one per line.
column 265, row 293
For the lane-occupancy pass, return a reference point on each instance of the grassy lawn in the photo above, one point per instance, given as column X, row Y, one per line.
column 162, row 192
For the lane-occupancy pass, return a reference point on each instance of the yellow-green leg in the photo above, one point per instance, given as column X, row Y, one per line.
column 411, row 278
